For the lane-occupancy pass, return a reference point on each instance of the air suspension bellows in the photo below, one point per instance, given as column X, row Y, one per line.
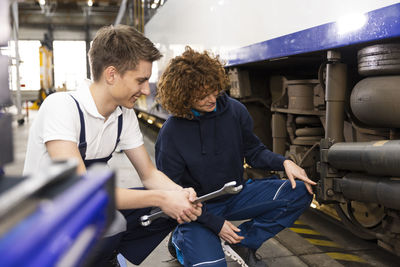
column 382, row 190
column 378, row 157
column 375, row 101
column 301, row 94
column 379, row 59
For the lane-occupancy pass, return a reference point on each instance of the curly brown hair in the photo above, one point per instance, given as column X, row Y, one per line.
column 188, row 78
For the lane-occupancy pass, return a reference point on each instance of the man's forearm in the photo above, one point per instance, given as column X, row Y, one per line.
column 136, row 199
column 159, row 180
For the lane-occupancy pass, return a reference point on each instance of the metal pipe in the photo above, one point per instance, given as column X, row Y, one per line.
column 87, row 41
column 121, row 13
column 381, row 190
column 18, row 103
column 336, row 83
column 279, row 134
column 378, row 157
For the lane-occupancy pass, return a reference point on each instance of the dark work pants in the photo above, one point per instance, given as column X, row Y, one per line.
column 270, row 204
column 137, row 242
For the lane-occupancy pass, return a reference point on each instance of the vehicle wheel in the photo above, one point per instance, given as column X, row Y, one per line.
column 362, row 219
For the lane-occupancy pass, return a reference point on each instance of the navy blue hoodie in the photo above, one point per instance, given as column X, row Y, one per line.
column 209, row 151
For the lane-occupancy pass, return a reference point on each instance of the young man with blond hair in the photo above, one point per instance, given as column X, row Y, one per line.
column 89, row 123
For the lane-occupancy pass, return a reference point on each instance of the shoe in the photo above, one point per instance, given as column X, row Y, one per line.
column 171, row 247
column 174, row 251
column 232, row 254
column 243, row 255
column 113, row 262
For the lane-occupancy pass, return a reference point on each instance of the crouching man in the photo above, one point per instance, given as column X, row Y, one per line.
column 89, row 123
column 203, row 145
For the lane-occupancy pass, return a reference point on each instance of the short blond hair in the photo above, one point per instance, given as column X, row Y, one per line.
column 120, row 46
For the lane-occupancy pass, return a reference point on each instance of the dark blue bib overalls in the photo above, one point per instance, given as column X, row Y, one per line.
column 137, row 242
column 82, row 139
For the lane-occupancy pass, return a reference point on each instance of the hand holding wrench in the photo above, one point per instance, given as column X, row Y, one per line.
column 228, row 188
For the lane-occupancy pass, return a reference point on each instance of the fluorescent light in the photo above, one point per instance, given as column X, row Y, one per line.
column 42, row 2
column 350, row 23
column 90, row 3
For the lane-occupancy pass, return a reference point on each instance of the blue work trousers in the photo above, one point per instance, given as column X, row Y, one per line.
column 269, row 205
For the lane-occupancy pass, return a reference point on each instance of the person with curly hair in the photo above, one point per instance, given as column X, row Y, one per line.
column 203, row 145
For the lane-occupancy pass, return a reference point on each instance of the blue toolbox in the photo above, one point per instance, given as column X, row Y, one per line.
column 55, row 217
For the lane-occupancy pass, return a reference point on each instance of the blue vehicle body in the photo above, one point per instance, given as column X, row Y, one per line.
column 380, row 24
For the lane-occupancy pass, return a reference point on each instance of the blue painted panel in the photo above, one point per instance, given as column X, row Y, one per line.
column 43, row 238
column 381, row 24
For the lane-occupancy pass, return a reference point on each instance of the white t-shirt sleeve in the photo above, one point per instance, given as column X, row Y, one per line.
column 60, row 118
column 131, row 136
column 57, row 119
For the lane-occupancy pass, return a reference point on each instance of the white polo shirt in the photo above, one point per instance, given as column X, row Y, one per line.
column 58, row 119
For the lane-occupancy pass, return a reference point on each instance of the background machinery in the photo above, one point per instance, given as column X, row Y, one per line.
column 322, row 85
column 53, row 217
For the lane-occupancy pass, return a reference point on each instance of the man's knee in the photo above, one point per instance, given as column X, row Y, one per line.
column 301, row 195
column 199, row 245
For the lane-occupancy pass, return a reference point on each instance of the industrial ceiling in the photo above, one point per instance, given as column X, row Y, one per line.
column 83, row 15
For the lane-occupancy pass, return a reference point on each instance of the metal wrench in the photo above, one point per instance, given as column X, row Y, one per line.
column 228, row 188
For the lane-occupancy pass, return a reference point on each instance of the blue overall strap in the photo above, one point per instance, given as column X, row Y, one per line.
column 82, row 136
column 90, row 162
column 119, row 129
